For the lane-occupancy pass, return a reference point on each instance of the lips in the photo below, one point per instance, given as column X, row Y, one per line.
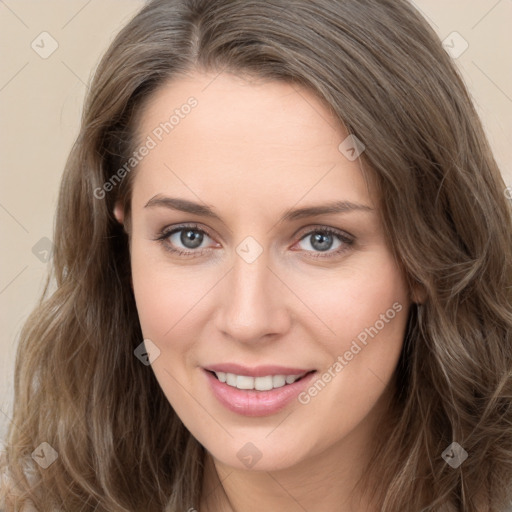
column 258, row 391
column 258, row 371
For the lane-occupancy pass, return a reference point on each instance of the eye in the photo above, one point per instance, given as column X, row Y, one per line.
column 321, row 240
column 184, row 240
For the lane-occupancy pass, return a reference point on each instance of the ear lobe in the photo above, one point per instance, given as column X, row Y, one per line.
column 119, row 213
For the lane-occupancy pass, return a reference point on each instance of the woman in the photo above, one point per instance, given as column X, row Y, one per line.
column 284, row 273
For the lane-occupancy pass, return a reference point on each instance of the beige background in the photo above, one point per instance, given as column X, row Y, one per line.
column 40, row 107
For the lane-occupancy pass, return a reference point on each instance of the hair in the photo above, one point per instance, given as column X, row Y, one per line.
column 382, row 71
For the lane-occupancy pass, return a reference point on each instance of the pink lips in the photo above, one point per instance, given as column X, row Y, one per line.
column 252, row 402
column 258, row 371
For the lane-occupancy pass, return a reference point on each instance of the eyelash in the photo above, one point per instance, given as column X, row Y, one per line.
column 166, row 233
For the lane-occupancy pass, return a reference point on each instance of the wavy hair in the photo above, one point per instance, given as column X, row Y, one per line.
column 381, row 69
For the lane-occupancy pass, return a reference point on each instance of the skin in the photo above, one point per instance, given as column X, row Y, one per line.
column 251, row 150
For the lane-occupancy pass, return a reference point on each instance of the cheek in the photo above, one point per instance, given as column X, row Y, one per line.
column 346, row 303
column 367, row 310
column 363, row 313
column 172, row 302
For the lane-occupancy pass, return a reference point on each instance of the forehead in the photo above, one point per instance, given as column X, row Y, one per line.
column 244, row 136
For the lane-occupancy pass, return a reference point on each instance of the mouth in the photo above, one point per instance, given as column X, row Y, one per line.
column 261, row 391
column 265, row 383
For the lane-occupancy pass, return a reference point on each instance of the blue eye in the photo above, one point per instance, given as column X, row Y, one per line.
column 191, row 237
column 322, row 238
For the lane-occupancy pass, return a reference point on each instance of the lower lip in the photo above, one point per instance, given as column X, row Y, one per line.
column 256, row 403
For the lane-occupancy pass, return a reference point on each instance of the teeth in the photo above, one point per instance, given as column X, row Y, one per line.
column 264, row 383
column 258, row 383
column 278, row 381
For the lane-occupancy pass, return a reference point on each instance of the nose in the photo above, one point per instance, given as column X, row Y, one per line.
column 253, row 302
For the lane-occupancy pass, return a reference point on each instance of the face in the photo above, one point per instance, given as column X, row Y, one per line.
column 260, row 271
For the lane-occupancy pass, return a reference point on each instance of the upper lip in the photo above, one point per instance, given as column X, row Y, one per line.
column 257, row 371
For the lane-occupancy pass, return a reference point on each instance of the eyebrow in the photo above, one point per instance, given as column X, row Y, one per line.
column 184, row 205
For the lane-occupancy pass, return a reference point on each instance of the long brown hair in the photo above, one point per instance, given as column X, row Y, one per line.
column 383, row 72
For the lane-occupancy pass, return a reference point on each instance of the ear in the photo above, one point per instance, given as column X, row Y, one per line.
column 119, row 212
